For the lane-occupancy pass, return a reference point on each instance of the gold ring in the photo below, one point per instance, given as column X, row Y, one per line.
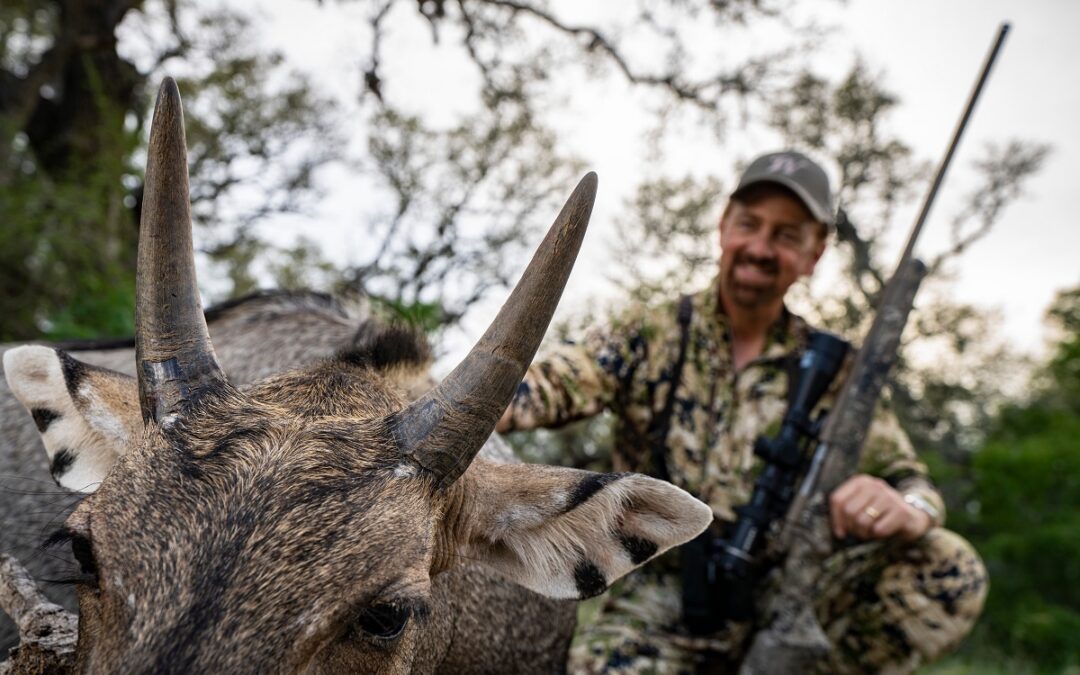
column 872, row 512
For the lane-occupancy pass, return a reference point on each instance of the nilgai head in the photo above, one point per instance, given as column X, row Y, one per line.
column 296, row 525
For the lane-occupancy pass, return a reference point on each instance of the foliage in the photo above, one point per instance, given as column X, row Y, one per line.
column 527, row 47
column 72, row 130
column 670, row 226
column 68, row 242
column 1024, row 520
column 78, row 77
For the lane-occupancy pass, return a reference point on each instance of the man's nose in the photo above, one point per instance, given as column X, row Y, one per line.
column 761, row 244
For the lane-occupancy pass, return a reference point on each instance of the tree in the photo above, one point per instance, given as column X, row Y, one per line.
column 1022, row 515
column 464, row 201
column 72, row 122
column 73, row 118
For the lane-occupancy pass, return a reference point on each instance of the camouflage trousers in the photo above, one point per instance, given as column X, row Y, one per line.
column 885, row 610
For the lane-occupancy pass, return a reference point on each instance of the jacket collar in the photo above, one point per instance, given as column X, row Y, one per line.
column 787, row 335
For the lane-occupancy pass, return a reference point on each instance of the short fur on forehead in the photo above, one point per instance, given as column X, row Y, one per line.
column 332, row 388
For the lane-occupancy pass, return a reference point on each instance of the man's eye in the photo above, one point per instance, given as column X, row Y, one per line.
column 383, row 622
column 790, row 236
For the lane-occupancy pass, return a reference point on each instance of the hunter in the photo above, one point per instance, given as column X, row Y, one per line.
column 889, row 608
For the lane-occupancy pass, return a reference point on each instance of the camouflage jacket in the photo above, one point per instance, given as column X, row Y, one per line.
column 717, row 413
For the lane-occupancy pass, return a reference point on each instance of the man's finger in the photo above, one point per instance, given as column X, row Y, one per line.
column 847, row 488
column 839, row 498
column 849, row 510
column 888, row 524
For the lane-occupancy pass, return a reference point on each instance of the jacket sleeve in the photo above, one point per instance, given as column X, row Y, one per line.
column 888, row 454
column 570, row 381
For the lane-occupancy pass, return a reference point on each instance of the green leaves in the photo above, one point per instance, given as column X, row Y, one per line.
column 1026, row 488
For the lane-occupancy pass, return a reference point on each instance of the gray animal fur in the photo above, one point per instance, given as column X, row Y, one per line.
column 254, row 338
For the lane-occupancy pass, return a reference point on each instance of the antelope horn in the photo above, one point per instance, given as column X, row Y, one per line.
column 443, row 430
column 173, row 354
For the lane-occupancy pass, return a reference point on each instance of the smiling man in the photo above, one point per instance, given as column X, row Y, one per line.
column 692, row 383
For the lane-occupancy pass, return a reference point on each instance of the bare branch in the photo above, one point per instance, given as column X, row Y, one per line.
column 176, row 28
column 862, row 256
column 372, row 81
column 705, row 94
column 1004, row 172
column 47, row 632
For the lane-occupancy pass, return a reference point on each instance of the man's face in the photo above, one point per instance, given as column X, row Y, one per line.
column 767, row 242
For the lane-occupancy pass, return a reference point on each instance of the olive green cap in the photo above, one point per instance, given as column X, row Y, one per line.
column 798, row 173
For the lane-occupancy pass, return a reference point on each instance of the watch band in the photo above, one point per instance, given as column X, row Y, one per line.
column 921, row 503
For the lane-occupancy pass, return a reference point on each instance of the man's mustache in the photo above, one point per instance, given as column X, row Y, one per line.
column 767, row 265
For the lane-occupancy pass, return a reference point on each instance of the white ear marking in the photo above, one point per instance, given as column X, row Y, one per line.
column 32, row 372
column 82, row 431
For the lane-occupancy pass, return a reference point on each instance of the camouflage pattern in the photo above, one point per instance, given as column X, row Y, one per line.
column 886, row 609
column 717, row 415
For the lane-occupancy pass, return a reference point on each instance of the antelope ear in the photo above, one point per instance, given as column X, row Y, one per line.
column 87, row 416
column 567, row 533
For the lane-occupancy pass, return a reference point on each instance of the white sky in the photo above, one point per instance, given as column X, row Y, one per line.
column 928, row 52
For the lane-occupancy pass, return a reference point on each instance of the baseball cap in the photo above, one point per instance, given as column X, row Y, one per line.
column 798, row 173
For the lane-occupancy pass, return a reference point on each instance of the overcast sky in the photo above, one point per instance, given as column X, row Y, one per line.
column 927, row 51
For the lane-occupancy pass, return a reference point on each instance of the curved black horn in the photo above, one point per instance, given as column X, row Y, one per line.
column 173, row 354
column 443, row 430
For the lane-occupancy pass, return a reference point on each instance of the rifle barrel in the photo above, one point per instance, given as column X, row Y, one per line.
column 943, row 167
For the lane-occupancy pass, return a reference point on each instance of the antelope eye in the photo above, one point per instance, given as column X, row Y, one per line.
column 383, row 622
column 84, row 555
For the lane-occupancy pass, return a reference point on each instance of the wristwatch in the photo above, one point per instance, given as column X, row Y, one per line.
column 921, row 503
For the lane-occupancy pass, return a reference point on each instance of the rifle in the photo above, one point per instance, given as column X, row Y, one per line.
column 794, row 640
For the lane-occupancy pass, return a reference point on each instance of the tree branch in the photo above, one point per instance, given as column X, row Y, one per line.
column 47, row 632
column 1005, row 171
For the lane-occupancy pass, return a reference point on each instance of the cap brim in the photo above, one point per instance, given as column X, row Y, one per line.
column 818, row 211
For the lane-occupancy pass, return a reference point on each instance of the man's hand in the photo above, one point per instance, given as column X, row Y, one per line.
column 869, row 508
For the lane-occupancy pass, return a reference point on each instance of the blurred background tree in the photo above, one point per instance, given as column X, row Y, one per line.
column 73, row 115
column 1024, row 517
column 73, row 119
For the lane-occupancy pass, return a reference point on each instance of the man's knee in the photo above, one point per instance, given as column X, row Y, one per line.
column 906, row 609
column 935, row 592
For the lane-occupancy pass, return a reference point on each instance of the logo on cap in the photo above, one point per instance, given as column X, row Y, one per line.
column 786, row 164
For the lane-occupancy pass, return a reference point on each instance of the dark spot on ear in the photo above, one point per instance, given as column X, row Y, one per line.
column 43, row 417
column 61, row 462
column 639, row 549
column 589, row 580
column 589, row 486
column 381, row 346
column 74, row 372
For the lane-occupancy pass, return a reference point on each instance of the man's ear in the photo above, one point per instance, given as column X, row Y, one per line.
column 817, row 249
column 87, row 416
column 567, row 533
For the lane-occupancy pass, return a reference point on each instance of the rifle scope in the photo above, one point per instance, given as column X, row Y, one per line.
column 731, row 565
